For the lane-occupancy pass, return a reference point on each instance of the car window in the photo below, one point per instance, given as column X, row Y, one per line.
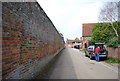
column 90, row 48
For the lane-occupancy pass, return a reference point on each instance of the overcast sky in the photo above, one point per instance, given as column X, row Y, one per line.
column 69, row 15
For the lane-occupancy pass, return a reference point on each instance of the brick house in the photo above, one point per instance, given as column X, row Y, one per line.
column 77, row 43
column 86, row 33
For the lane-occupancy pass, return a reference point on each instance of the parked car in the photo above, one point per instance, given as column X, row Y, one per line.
column 90, row 51
column 77, row 46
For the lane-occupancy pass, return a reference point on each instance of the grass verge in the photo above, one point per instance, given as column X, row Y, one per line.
column 113, row 60
column 83, row 50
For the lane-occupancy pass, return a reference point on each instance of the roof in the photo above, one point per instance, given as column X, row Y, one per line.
column 87, row 29
column 70, row 41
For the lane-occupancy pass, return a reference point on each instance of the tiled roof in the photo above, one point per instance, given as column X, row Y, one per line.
column 70, row 41
column 87, row 29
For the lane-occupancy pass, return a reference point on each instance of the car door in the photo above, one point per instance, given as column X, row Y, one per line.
column 90, row 49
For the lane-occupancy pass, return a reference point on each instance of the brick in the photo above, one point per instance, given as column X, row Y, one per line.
column 7, row 65
column 10, row 41
column 26, row 38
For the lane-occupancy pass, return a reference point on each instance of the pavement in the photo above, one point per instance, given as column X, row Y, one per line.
column 72, row 64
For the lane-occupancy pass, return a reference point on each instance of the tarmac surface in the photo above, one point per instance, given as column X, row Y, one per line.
column 72, row 64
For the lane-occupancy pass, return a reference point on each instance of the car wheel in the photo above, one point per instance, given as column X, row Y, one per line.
column 91, row 57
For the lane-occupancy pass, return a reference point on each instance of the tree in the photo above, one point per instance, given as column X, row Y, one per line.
column 103, row 32
column 109, row 13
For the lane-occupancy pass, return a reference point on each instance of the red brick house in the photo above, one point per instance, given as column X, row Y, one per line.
column 73, row 43
column 86, row 33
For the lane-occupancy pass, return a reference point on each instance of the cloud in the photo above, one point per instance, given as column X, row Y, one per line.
column 68, row 15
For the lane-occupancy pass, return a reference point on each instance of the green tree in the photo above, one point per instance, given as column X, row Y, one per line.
column 113, row 42
column 103, row 32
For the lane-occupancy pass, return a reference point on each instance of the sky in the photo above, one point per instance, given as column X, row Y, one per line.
column 69, row 15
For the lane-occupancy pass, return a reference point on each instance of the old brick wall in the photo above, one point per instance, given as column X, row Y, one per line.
column 29, row 40
column 113, row 52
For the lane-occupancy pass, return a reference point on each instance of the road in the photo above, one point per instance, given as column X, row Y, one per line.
column 72, row 64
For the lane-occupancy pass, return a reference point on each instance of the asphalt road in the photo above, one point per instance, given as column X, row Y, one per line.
column 72, row 64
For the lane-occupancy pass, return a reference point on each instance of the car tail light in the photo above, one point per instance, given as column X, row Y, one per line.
column 92, row 51
column 106, row 51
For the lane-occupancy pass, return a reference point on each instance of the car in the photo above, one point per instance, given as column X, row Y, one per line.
column 90, row 51
column 77, row 46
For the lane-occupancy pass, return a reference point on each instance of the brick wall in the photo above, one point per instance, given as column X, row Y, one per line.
column 29, row 40
column 114, row 52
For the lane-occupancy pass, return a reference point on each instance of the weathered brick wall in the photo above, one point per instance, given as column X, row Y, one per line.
column 113, row 52
column 29, row 39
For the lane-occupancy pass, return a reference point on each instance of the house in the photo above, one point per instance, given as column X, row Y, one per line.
column 77, row 43
column 86, row 33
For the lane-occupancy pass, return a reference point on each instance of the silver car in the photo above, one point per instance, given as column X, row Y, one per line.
column 90, row 52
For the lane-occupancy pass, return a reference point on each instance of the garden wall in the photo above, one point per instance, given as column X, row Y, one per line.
column 114, row 52
column 29, row 40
